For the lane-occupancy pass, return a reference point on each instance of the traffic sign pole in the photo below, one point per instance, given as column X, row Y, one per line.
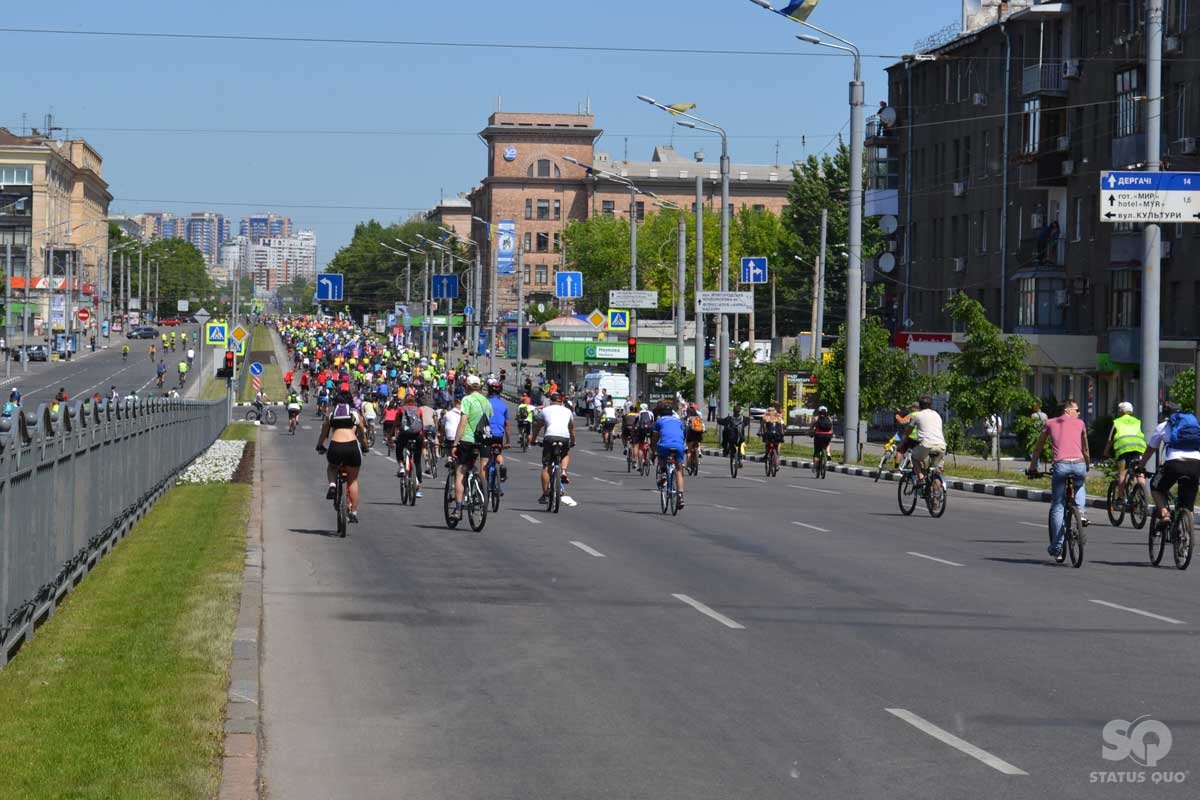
column 1152, row 234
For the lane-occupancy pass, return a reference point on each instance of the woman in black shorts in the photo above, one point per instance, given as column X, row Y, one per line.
column 347, row 437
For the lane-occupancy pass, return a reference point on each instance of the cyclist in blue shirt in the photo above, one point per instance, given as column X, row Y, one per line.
column 667, row 440
column 499, row 423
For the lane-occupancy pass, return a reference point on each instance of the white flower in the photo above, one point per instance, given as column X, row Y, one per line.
column 216, row 465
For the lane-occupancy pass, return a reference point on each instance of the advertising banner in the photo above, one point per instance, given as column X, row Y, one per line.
column 506, row 247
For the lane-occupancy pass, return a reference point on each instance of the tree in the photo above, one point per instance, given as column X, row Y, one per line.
column 375, row 276
column 173, row 270
column 535, row 317
column 888, row 377
column 987, row 375
column 1183, row 390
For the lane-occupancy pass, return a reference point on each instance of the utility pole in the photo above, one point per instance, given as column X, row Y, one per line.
column 8, row 340
column 723, row 338
column 426, row 325
column 819, row 327
column 773, row 334
column 520, row 316
column 141, row 289
column 854, row 288
column 1152, row 234
column 492, row 279
column 700, row 338
column 67, row 302
column 681, row 290
column 157, row 296
column 633, row 226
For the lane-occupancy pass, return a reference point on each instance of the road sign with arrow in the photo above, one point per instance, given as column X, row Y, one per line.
column 1150, row 197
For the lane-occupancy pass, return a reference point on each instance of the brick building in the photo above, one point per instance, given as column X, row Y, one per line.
column 1000, row 136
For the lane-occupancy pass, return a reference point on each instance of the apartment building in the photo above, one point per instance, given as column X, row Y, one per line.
column 263, row 226
column 207, row 231
column 993, row 143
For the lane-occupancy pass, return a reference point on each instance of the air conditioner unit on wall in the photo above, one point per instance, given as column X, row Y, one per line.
column 1168, row 247
column 1172, row 44
column 1063, row 142
column 980, row 99
column 960, row 188
column 1186, row 146
column 960, row 264
column 1068, row 167
column 1061, row 298
column 1071, row 68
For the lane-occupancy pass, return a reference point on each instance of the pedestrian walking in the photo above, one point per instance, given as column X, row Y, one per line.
column 712, row 408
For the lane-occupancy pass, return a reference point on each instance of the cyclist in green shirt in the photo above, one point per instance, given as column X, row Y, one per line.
column 1127, row 442
column 525, row 413
column 475, row 407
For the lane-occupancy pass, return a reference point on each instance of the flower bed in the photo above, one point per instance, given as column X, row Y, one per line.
column 217, row 464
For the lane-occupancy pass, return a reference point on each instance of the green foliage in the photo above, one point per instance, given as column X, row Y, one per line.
column 1027, row 429
column 181, row 273
column 536, row 317
column 375, row 276
column 752, row 384
column 887, row 377
column 679, row 379
column 986, row 376
column 1183, row 390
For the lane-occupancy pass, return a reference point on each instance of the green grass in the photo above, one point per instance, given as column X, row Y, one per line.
column 122, row 693
column 272, row 377
column 214, row 389
column 240, row 431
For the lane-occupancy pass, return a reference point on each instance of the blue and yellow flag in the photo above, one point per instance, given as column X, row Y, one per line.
column 799, row 9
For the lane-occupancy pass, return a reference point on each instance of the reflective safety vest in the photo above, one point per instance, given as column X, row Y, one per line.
column 1128, row 436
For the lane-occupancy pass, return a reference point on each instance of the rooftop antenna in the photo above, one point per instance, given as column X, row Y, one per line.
column 777, row 152
column 499, row 102
column 24, row 124
column 626, row 149
column 589, row 105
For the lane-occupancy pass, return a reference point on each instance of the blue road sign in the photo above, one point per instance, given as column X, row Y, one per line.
column 445, row 286
column 469, row 311
column 568, row 285
column 618, row 319
column 391, row 319
column 754, row 270
column 329, row 286
column 407, row 320
column 256, row 368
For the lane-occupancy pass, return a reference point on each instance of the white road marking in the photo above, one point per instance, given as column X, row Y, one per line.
column 810, row 527
column 756, row 480
column 708, row 612
column 531, row 520
column 588, row 550
column 961, row 745
column 1138, row 611
column 306, row 427
column 811, row 489
column 610, row 483
column 570, row 501
column 616, row 458
column 727, row 508
column 931, row 558
column 514, row 459
column 1033, row 524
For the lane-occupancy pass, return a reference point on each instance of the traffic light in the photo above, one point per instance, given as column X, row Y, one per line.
column 227, row 370
column 632, row 350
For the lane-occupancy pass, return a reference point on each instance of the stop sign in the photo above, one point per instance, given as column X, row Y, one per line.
column 83, row 315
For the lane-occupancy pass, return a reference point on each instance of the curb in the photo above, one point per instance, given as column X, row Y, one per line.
column 959, row 484
column 240, row 759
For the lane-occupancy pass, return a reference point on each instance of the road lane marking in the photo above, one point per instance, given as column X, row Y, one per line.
column 708, row 612
column 1138, row 611
column 1032, row 524
column 756, row 480
column 531, row 520
column 811, row 489
column 810, row 527
column 610, row 483
column 727, row 508
column 961, row 745
column 588, row 550
column 931, row 558
column 616, row 458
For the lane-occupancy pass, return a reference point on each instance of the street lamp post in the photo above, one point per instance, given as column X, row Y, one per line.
column 853, row 425
column 493, row 271
column 475, row 297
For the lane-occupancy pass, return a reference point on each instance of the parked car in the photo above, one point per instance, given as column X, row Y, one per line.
column 34, row 352
column 142, row 332
column 169, row 322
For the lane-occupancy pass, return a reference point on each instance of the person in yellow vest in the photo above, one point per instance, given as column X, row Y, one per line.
column 1127, row 442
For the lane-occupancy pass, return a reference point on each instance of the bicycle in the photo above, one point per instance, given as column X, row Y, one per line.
column 771, row 458
column 1134, row 503
column 889, row 454
column 735, row 458
column 819, row 465
column 474, row 500
column 495, row 490
column 1178, row 532
column 293, row 421
column 431, row 453
column 266, row 415
column 644, row 458
column 932, row 491
column 554, row 492
column 692, row 465
column 668, row 492
column 1073, row 536
column 341, row 500
column 370, row 436
column 606, row 433
column 523, row 436
column 408, row 481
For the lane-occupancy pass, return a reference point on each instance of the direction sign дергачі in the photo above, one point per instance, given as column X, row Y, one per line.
column 628, row 298
column 1150, row 197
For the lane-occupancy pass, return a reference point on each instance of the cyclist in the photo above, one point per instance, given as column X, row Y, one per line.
column 322, row 401
column 823, row 432
column 125, row 352
column 1068, row 435
column 642, row 429
column 304, row 385
column 474, row 420
column 608, row 420
column 293, row 409
column 151, row 352
column 525, row 417
column 183, row 368
column 1180, row 432
column 429, row 427
column 628, row 423
column 409, row 435
column 770, row 427
column 346, row 434
column 498, row 416
column 450, row 419
column 1128, row 443
column 191, row 355
column 558, row 422
column 287, row 379
column 367, row 409
column 13, row 404
column 668, row 440
column 161, row 372
column 694, row 431
column 733, row 430
column 931, row 440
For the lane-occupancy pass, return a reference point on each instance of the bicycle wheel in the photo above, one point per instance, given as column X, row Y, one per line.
column 629, row 460
column 404, row 491
column 1116, row 506
column 556, row 490
column 448, row 501
column 645, row 465
column 370, row 439
column 906, row 494
column 824, row 465
column 252, row 415
column 733, row 463
column 269, row 415
column 476, row 503
column 664, row 495
column 495, row 493
column 433, row 467
column 1182, row 539
column 343, row 508
column 1139, row 509
column 1074, row 536
column 674, row 498
column 882, row 460
column 935, row 497
column 524, row 443
column 1156, row 541
column 411, row 479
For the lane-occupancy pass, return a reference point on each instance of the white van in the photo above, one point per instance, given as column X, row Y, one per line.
column 616, row 385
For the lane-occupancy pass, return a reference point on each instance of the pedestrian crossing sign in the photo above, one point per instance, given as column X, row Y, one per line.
column 618, row 319
column 238, row 346
column 215, row 334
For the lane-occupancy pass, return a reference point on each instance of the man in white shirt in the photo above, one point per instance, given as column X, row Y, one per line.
column 931, row 441
column 558, row 422
column 450, row 421
column 1180, row 462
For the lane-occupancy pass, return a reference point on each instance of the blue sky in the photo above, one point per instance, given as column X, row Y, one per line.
column 438, row 96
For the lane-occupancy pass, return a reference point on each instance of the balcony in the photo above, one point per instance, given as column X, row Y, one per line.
column 1042, row 170
column 1125, row 345
column 1045, row 78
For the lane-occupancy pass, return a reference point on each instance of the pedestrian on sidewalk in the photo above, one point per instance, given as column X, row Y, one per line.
column 712, row 408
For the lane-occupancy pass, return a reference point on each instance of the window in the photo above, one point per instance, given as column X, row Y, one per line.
column 983, row 232
column 641, row 210
column 543, row 274
column 543, row 242
column 1127, row 106
column 1031, row 125
column 985, row 145
column 759, row 207
column 1077, row 233
column 526, row 274
column 557, row 242
column 528, row 241
column 543, row 168
column 558, row 209
column 1177, row 11
column 1125, row 299
column 543, row 209
column 607, row 207
column 16, row 175
column 1037, row 302
column 1181, row 110
column 528, row 208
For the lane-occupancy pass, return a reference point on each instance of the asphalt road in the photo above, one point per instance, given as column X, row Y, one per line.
column 782, row 638
column 88, row 372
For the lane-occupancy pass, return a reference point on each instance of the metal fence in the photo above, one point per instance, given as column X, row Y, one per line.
column 72, row 484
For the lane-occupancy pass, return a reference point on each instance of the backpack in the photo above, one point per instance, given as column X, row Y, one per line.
column 342, row 413
column 9, row 409
column 1185, row 432
column 695, row 424
column 483, row 429
column 733, row 430
column 824, row 424
column 408, row 419
column 645, row 422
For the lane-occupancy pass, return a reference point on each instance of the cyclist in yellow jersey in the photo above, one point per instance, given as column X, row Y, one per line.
column 1127, row 442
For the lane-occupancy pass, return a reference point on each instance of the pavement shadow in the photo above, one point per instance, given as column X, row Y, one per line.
column 1143, row 564
column 1028, row 562
column 312, row 532
column 1002, row 541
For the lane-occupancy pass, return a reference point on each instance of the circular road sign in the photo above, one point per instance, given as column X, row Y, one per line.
column 83, row 315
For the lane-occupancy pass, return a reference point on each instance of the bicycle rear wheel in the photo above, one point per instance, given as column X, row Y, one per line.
column 494, row 491
column 906, row 494
column 733, row 463
column 824, row 465
column 1157, row 541
column 476, row 503
column 1116, row 506
column 556, row 491
column 448, row 501
column 270, row 417
column 343, row 508
column 432, row 462
column 412, row 488
column 935, row 498
column 404, row 492
column 252, row 415
column 1139, row 509
column 1182, row 539
column 1074, row 535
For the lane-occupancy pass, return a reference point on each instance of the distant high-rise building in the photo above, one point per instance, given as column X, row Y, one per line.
column 276, row 261
column 265, row 226
column 163, row 225
column 207, row 231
